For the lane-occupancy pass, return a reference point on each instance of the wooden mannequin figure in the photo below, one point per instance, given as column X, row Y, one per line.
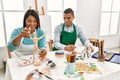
column 35, row 41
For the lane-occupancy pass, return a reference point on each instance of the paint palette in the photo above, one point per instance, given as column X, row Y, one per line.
column 25, row 62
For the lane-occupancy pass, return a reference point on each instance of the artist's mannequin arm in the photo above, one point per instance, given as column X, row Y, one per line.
column 42, row 36
column 31, row 38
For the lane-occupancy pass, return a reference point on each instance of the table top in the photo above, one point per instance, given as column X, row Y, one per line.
column 16, row 72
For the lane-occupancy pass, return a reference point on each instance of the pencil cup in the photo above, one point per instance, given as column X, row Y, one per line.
column 70, row 68
column 71, row 63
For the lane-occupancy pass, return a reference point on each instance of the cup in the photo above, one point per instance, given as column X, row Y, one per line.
column 70, row 68
column 71, row 63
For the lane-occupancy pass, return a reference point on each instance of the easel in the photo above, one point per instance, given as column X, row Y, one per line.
column 36, row 8
column 35, row 39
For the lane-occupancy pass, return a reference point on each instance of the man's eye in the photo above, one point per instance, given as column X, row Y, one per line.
column 68, row 18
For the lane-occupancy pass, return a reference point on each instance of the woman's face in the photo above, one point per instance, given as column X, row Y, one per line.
column 31, row 23
column 68, row 19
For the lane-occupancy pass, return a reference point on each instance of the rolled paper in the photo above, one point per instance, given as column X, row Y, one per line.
column 68, row 57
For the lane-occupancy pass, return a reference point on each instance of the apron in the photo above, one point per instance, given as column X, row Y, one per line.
column 24, row 49
column 67, row 38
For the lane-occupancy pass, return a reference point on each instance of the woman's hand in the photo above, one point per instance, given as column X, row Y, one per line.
column 42, row 52
column 29, row 77
column 70, row 47
column 34, row 75
column 25, row 32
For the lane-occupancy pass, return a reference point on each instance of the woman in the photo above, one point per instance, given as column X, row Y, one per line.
column 21, row 42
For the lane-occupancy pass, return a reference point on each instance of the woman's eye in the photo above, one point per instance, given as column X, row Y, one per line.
column 29, row 21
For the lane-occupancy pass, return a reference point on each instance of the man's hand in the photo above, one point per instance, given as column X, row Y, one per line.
column 90, row 48
column 25, row 32
column 70, row 47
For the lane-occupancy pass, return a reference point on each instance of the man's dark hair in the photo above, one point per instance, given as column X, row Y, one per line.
column 34, row 14
column 69, row 10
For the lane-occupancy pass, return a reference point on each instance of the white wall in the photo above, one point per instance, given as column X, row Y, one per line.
column 88, row 17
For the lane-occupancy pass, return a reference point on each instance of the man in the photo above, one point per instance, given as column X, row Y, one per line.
column 66, row 34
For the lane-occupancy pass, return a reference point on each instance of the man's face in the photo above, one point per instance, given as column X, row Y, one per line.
column 68, row 19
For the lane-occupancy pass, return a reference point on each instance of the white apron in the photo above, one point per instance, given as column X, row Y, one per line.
column 23, row 50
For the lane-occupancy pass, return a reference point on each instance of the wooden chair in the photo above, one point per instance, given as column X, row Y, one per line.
column 9, row 54
column 95, row 41
column 50, row 44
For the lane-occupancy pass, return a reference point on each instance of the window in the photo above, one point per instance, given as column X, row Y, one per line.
column 15, row 5
column 13, row 20
column 56, row 8
column 110, row 12
column 2, row 40
column 11, row 17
